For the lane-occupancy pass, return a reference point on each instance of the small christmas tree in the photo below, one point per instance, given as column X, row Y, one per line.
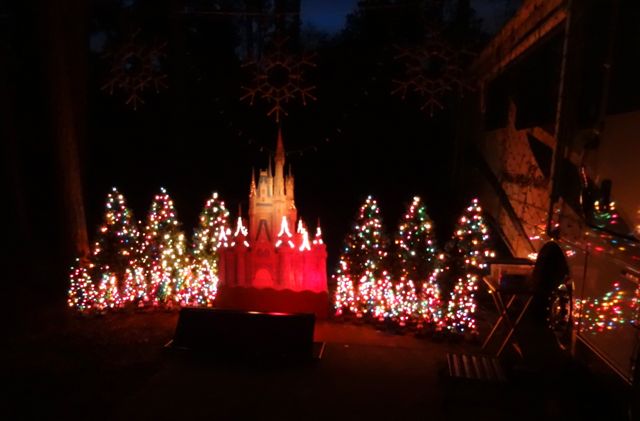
column 209, row 236
column 469, row 248
column 345, row 297
column 200, row 285
column 118, row 241
column 117, row 248
column 134, row 289
column 384, row 298
column 468, row 255
column 108, row 294
column 364, row 255
column 415, row 243
column 462, row 305
column 82, row 294
column 164, row 256
column 430, row 301
column 405, row 308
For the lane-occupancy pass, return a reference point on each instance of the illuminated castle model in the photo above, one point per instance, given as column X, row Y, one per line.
column 276, row 251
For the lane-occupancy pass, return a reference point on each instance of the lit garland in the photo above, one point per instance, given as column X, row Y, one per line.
column 462, row 305
column 164, row 250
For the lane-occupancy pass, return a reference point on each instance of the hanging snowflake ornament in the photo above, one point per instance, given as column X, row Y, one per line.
column 431, row 72
column 277, row 78
column 136, row 68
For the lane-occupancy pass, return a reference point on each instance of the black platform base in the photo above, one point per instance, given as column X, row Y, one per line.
column 243, row 334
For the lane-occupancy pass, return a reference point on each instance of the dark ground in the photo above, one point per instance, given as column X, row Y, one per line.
column 114, row 367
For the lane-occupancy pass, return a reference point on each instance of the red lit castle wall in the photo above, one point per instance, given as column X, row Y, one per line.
column 276, row 251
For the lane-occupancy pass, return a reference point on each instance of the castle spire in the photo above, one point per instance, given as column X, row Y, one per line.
column 278, row 181
column 280, row 147
column 252, row 188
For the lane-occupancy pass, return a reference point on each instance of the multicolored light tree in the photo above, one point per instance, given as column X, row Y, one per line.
column 108, row 293
column 462, row 305
column 118, row 240
column 165, row 259
column 415, row 256
column 415, row 243
column 200, row 285
column 362, row 260
column 405, row 306
column 468, row 253
column 430, row 301
column 345, row 296
column 210, row 234
column 469, row 248
column 82, row 294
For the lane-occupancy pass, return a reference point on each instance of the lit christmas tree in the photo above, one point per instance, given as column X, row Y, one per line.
column 362, row 260
column 405, row 306
column 82, row 293
column 117, row 248
column 200, row 285
column 211, row 232
column 384, row 299
column 469, row 248
column 430, row 301
column 467, row 259
column 462, row 305
column 108, row 295
column 118, row 241
column 163, row 248
column 134, row 289
column 345, row 297
column 415, row 243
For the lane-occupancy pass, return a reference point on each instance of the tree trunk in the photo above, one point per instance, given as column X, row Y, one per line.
column 66, row 44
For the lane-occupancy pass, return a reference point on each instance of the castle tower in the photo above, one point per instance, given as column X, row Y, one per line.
column 270, row 254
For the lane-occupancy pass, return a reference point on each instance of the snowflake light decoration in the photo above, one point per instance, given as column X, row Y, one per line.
column 277, row 78
column 432, row 71
column 135, row 68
